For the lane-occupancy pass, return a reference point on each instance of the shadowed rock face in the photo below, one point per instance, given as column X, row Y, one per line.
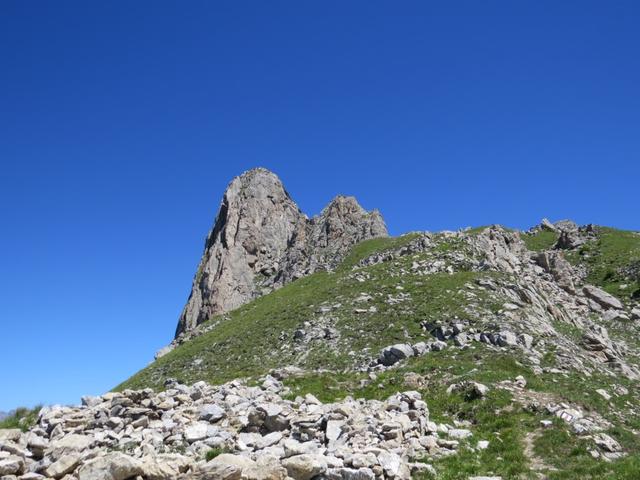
column 261, row 240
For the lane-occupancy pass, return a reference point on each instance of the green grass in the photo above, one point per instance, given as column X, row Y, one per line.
column 478, row 230
column 541, row 240
column 257, row 337
column 495, row 418
column 22, row 418
column 569, row 454
column 504, row 430
column 214, row 452
column 605, row 256
column 368, row 247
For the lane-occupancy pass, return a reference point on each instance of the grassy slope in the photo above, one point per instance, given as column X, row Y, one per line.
column 248, row 342
column 541, row 240
column 258, row 336
column 604, row 257
column 495, row 418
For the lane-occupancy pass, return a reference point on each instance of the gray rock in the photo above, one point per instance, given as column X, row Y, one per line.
column 268, row 440
column 113, row 466
column 561, row 270
column 293, row 447
column 395, row 353
column 167, row 466
column 218, row 471
column 525, row 340
column 235, row 460
column 547, row 225
column 90, row 401
column 615, row 316
column 603, row 298
column 267, row 467
column 459, row 433
column 211, row 413
column 70, row 443
column 11, row 466
column 333, row 430
column 65, row 464
column 372, row 438
column 304, row 467
column 607, row 443
column 10, row 435
column 196, row 432
column 390, row 463
column 261, row 240
column 342, row 473
column 420, row 348
column 507, row 339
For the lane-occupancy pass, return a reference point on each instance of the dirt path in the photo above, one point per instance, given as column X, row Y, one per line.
column 537, row 464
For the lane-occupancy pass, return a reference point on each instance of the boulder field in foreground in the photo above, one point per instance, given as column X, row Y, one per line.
column 254, row 432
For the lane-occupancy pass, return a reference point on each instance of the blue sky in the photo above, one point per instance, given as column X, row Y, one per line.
column 121, row 123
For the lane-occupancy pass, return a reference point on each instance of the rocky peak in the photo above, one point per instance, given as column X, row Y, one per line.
column 261, row 240
column 345, row 215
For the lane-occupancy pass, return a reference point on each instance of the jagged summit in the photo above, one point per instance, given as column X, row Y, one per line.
column 262, row 240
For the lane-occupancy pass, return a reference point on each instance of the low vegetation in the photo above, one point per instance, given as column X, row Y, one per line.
column 22, row 418
column 242, row 343
column 214, row 452
column 541, row 240
column 610, row 261
column 366, row 309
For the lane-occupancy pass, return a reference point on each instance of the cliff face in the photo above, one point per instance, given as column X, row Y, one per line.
column 261, row 240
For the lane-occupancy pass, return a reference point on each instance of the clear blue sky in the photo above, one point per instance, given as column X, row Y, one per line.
column 121, row 123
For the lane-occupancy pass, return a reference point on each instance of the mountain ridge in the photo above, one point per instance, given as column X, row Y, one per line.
column 483, row 353
column 261, row 240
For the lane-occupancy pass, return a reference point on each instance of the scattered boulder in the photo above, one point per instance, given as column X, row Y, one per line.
column 65, row 464
column 601, row 297
column 12, row 465
column 211, row 413
column 305, row 467
column 607, row 443
column 395, row 353
column 507, row 339
column 113, row 466
column 469, row 388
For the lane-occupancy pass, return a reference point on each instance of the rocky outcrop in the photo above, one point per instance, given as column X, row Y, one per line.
column 261, row 240
column 541, row 290
column 602, row 298
column 573, row 236
column 554, row 263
